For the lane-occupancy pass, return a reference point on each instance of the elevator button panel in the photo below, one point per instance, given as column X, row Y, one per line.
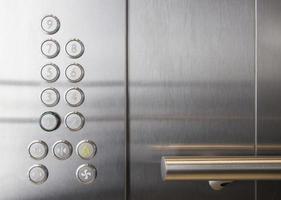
column 50, row 97
column 62, row 82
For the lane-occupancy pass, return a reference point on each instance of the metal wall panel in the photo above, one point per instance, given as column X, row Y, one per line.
column 269, row 90
column 191, row 85
column 101, row 26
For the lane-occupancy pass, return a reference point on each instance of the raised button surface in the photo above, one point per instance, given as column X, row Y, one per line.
column 86, row 173
column 62, row 149
column 74, row 97
column 86, row 149
column 50, row 48
column 50, row 24
column 38, row 174
column 74, row 73
column 49, row 121
column 74, row 121
column 74, row 48
column 50, row 97
column 50, row 72
column 38, row 150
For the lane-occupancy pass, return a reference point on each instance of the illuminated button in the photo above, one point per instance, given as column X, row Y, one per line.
column 50, row 72
column 74, row 97
column 86, row 149
column 74, row 121
column 50, row 48
column 50, row 24
column 62, row 150
column 74, row 73
column 74, row 48
column 49, row 121
column 38, row 174
column 86, row 173
column 50, row 97
column 38, row 150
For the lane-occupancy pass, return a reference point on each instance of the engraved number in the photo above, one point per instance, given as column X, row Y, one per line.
column 73, row 73
column 50, row 45
column 49, row 72
column 73, row 48
column 49, row 23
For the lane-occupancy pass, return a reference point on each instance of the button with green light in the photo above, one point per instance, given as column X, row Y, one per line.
column 86, row 149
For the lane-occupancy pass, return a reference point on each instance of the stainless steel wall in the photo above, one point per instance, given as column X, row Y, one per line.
column 269, row 90
column 191, row 90
column 203, row 79
column 100, row 25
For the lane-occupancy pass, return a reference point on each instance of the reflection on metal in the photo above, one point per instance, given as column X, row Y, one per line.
column 220, row 168
column 203, row 147
column 214, row 147
column 219, row 185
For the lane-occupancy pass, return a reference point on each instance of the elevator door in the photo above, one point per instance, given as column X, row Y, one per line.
column 191, row 90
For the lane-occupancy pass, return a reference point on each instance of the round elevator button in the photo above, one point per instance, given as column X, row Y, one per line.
column 86, row 149
column 50, row 97
column 38, row 174
column 49, row 121
column 74, row 121
column 86, row 173
column 74, row 97
column 62, row 149
column 38, row 150
column 50, row 48
column 50, row 72
column 74, row 73
column 50, row 24
column 74, row 48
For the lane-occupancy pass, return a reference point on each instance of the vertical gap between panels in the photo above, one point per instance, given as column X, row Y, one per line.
column 256, row 90
column 127, row 113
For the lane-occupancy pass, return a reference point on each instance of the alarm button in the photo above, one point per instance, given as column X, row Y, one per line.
column 86, row 149
column 49, row 121
column 50, row 24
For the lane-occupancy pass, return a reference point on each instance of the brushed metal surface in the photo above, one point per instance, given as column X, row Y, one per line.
column 100, row 25
column 269, row 90
column 219, row 168
column 191, row 83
